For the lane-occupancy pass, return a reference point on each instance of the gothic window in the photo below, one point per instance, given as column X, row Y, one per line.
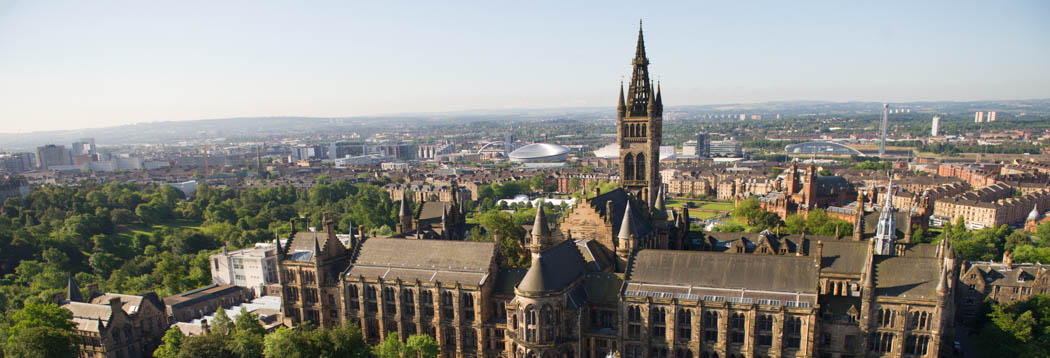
column 917, row 345
column 634, row 319
column 793, row 332
column 389, row 300
column 426, row 301
column 737, row 322
column 643, row 131
column 547, row 323
column 351, row 294
column 881, row 342
column 886, row 317
column 408, row 303
column 530, row 323
column 765, row 330
column 659, row 323
column 710, row 326
column 447, row 307
column 468, row 306
column 628, row 167
column 685, row 326
column 640, row 167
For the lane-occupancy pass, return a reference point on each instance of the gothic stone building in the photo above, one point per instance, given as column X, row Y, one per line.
column 113, row 325
column 612, row 277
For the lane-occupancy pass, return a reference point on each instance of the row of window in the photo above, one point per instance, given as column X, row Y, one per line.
column 408, row 302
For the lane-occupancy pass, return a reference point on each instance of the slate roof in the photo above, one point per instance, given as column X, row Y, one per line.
column 201, row 294
column 718, row 270
column 507, row 279
column 619, row 199
column 130, row 303
column 843, row 256
column 87, row 316
column 828, row 185
column 304, row 241
column 603, row 287
column 906, row 277
column 597, row 256
column 424, row 260
column 554, row 269
column 431, row 210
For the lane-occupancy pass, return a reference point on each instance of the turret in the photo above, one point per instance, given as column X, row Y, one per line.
column 626, row 244
column 541, row 232
column 404, row 216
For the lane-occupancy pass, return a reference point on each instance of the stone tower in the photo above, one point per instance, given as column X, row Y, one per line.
column 640, row 122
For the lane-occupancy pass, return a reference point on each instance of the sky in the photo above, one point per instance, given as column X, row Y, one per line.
column 78, row 64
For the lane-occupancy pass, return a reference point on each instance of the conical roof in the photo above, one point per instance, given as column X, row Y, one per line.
column 1034, row 214
column 73, row 290
column 403, row 211
column 535, row 279
column 625, row 226
column 539, row 225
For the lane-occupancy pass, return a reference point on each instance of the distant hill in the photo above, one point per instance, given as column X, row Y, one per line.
column 262, row 127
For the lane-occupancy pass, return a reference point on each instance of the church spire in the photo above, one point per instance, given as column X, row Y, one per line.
column 639, row 91
column 639, row 50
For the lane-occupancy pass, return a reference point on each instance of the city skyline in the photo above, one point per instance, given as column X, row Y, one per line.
column 79, row 65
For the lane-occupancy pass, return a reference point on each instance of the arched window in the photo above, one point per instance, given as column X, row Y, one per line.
column 634, row 322
column 547, row 323
column 530, row 323
column 685, row 326
column 640, row 166
column 737, row 322
column 408, row 302
column 658, row 322
column 628, row 167
column 643, row 130
column 448, row 308
column 467, row 301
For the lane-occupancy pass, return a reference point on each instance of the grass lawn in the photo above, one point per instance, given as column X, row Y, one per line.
column 702, row 214
column 700, row 204
column 136, row 228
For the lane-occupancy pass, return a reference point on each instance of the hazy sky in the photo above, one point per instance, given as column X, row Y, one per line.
column 73, row 64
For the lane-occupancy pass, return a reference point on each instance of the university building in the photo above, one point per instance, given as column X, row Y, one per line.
column 619, row 275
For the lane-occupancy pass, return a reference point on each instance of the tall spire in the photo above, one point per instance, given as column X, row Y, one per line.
column 639, row 90
column 639, row 50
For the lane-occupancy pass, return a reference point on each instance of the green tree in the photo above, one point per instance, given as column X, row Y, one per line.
column 221, row 323
column 747, row 210
column 210, row 345
column 288, row 343
column 41, row 330
column 390, row 347
column 347, row 341
column 171, row 342
column 421, row 346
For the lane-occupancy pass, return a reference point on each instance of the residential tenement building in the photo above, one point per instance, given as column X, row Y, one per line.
column 1001, row 282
